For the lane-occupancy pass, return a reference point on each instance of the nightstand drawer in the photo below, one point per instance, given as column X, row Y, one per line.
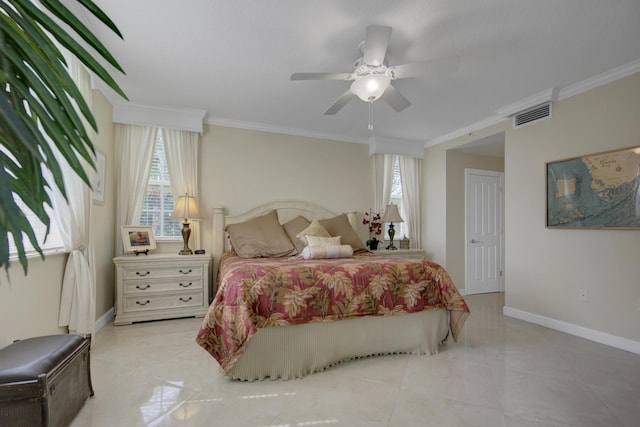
column 162, row 285
column 146, row 272
column 162, row 302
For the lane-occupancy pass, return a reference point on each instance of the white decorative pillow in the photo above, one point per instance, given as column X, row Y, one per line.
column 314, row 229
column 323, row 241
column 319, row 252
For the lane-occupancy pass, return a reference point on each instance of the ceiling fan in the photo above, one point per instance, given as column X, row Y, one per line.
column 372, row 75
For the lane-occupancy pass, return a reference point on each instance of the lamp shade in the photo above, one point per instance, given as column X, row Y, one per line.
column 371, row 87
column 391, row 214
column 186, row 208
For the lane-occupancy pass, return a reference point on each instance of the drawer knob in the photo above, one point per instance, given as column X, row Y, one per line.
column 186, row 272
column 143, row 302
column 186, row 285
column 185, row 299
column 143, row 287
column 143, row 274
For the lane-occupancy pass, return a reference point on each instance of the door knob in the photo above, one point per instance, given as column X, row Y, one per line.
column 475, row 241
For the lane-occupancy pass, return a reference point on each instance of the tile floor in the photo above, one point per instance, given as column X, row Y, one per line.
column 502, row 372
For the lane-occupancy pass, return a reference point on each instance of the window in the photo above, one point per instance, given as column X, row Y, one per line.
column 54, row 240
column 157, row 206
column 396, row 199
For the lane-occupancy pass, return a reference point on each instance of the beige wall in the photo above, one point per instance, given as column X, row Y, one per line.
column 545, row 269
column 104, row 215
column 29, row 305
column 457, row 162
column 435, row 216
column 242, row 169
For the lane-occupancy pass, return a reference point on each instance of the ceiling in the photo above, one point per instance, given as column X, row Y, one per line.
column 491, row 146
column 233, row 59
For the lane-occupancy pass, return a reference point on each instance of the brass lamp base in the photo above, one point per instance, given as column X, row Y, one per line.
column 392, row 233
column 186, row 233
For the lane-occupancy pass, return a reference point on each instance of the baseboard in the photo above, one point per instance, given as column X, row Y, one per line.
column 578, row 331
column 105, row 319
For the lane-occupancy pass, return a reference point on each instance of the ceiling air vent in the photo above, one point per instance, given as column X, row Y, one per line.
column 532, row 115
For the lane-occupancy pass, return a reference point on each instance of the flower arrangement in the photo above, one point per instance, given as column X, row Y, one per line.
column 373, row 220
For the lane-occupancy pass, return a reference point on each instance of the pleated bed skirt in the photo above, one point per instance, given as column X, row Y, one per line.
column 289, row 352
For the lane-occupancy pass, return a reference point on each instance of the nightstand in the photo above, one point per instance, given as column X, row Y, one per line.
column 401, row 253
column 161, row 286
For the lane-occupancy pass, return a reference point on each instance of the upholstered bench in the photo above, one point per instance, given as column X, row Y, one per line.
column 44, row 381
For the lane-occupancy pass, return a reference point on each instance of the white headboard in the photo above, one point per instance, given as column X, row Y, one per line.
column 287, row 210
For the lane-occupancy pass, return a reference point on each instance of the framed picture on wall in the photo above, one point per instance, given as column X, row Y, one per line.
column 138, row 238
column 595, row 191
column 98, row 178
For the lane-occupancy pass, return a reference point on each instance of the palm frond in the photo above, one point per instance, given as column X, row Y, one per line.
column 41, row 109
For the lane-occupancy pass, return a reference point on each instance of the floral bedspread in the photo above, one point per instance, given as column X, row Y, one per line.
column 267, row 292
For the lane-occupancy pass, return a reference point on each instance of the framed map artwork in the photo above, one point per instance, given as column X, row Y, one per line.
column 600, row 190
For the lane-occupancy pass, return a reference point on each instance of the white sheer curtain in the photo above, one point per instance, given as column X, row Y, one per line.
column 182, row 149
column 382, row 179
column 411, row 178
column 74, row 219
column 134, row 155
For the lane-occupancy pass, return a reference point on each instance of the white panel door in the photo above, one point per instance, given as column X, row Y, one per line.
column 484, row 231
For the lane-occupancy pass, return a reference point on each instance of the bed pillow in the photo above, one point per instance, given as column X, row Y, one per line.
column 321, row 252
column 340, row 226
column 322, row 241
column 262, row 236
column 314, row 229
column 294, row 227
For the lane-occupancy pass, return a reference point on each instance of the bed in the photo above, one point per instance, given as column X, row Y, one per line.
column 306, row 308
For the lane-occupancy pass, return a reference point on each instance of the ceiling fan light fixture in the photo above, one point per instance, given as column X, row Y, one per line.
column 372, row 74
column 370, row 87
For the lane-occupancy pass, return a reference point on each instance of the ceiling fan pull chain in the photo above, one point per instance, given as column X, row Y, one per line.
column 370, row 127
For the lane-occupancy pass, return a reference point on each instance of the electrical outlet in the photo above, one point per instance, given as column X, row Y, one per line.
column 583, row 295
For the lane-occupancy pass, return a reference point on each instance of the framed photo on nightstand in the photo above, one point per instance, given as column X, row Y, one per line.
column 138, row 238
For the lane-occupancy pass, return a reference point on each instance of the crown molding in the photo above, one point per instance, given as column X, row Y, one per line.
column 379, row 145
column 376, row 144
column 549, row 95
column 561, row 94
column 261, row 127
column 107, row 92
column 600, row 79
column 161, row 116
column 467, row 130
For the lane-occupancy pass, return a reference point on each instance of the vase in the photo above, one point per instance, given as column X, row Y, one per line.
column 373, row 244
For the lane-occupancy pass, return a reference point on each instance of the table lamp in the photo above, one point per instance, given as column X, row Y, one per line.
column 186, row 209
column 391, row 215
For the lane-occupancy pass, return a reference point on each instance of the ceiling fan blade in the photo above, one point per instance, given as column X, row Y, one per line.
column 320, row 76
column 395, row 99
column 341, row 102
column 375, row 44
column 434, row 66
